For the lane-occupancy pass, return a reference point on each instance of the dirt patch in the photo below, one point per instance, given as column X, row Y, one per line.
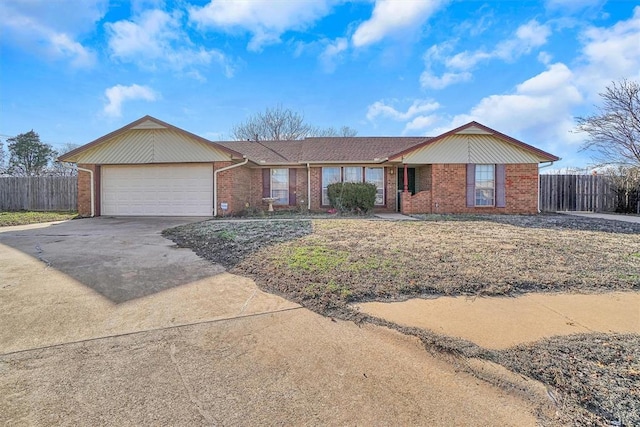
column 600, row 372
column 325, row 265
column 227, row 243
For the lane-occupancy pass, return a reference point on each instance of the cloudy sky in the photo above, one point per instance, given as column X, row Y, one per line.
column 74, row 70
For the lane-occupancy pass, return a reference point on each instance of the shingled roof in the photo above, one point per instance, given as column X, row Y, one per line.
column 362, row 149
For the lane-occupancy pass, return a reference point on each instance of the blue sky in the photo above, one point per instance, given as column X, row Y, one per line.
column 74, row 70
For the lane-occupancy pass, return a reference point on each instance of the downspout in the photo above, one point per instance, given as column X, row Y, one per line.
column 93, row 206
column 308, row 187
column 215, row 182
column 542, row 167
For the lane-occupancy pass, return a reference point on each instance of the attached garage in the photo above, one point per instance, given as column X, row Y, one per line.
column 157, row 190
column 150, row 168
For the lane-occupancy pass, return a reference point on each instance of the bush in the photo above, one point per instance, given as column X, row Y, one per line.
column 357, row 197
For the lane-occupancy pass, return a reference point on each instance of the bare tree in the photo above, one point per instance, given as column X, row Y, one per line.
column 64, row 168
column 280, row 124
column 614, row 133
column 344, row 131
column 626, row 180
column 274, row 124
column 2, row 159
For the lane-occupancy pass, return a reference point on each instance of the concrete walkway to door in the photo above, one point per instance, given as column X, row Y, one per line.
column 395, row 217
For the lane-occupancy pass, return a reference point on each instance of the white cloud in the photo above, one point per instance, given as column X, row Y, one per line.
column 428, row 80
column 331, row 54
column 419, row 106
column 541, row 108
column 118, row 94
column 393, row 17
column 420, row 123
column 526, row 38
column 266, row 20
column 39, row 26
column 156, row 37
column 610, row 54
column 545, row 57
column 457, row 67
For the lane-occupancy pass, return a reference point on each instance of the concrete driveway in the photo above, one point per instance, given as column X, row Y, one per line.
column 105, row 322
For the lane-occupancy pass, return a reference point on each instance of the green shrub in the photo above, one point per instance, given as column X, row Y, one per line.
column 357, row 197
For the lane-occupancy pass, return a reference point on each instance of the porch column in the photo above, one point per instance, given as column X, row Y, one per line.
column 406, row 178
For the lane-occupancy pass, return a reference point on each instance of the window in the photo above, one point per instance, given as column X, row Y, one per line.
column 485, row 185
column 329, row 176
column 376, row 176
column 353, row 174
column 280, row 186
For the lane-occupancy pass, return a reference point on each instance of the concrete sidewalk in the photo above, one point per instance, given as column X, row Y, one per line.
column 502, row 322
column 105, row 322
column 395, row 217
column 609, row 216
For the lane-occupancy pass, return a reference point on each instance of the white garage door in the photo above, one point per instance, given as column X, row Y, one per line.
column 157, row 190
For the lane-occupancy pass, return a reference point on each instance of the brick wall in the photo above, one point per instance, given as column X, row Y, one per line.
column 316, row 189
column 84, row 190
column 423, row 178
column 235, row 187
column 390, row 191
column 301, row 188
column 417, row 203
column 449, row 190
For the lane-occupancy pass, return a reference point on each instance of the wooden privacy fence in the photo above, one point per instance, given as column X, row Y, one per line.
column 38, row 193
column 593, row 193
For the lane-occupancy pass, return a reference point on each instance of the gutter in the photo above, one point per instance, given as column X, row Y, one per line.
column 93, row 205
column 215, row 182
column 542, row 167
column 345, row 162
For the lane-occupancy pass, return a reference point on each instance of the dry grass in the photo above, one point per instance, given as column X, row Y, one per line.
column 372, row 260
column 324, row 265
column 28, row 217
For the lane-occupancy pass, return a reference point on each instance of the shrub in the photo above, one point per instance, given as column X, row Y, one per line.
column 357, row 197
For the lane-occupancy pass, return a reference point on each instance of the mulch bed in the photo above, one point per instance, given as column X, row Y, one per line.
column 325, row 265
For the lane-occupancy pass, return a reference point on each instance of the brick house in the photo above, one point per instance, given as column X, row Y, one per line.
column 150, row 167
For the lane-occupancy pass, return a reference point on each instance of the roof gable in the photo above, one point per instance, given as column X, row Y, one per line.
column 473, row 143
column 149, row 140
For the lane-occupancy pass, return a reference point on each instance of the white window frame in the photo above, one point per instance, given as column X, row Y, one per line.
column 485, row 185
column 344, row 173
column 280, row 187
column 379, row 185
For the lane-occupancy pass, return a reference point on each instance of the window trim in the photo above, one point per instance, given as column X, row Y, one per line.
column 363, row 174
column 477, row 187
column 285, row 185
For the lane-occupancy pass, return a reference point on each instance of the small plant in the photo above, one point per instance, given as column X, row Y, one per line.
column 227, row 235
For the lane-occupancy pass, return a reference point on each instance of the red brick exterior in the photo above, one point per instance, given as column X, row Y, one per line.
column 316, row 189
column 84, row 190
column 423, row 178
column 441, row 188
column 448, row 191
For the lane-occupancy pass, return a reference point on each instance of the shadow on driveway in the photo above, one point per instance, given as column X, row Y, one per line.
column 120, row 258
